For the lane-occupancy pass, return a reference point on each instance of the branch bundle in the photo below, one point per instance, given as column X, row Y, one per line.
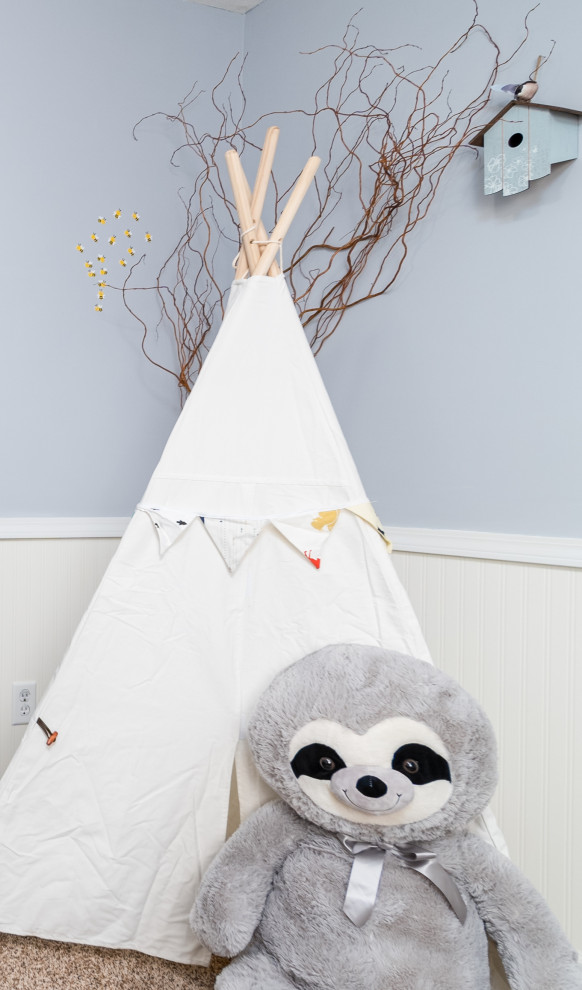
column 386, row 134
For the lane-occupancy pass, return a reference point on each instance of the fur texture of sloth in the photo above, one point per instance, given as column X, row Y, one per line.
column 364, row 744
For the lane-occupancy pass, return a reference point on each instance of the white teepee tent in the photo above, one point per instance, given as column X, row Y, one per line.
column 254, row 545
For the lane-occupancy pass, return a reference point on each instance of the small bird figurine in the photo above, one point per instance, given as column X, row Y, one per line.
column 525, row 91
column 522, row 92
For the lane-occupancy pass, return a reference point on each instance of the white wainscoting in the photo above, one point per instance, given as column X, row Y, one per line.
column 45, row 587
column 509, row 631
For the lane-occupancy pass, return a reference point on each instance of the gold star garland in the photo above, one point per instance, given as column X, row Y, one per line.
column 88, row 265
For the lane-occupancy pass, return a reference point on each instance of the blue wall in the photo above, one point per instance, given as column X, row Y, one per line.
column 84, row 416
column 459, row 392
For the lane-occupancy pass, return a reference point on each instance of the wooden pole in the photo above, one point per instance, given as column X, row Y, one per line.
column 264, row 172
column 242, row 264
column 258, row 199
column 286, row 218
column 240, row 188
column 534, row 74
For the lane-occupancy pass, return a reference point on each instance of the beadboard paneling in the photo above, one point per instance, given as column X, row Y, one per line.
column 45, row 587
column 511, row 633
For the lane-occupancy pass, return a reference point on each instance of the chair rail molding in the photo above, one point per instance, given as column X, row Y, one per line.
column 557, row 551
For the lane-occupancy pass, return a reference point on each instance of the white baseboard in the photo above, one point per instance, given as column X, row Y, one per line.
column 549, row 550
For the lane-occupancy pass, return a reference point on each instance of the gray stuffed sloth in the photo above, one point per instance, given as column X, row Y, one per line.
column 365, row 876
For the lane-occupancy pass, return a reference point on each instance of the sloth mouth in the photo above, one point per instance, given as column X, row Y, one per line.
column 383, row 811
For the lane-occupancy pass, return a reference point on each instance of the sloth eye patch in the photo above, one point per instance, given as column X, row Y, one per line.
column 317, row 761
column 420, row 764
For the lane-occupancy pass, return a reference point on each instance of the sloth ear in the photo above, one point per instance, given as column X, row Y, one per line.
column 316, row 760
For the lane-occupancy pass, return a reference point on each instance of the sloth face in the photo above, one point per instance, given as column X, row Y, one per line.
column 394, row 774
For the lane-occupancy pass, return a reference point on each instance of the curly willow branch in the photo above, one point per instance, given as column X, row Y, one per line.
column 386, row 136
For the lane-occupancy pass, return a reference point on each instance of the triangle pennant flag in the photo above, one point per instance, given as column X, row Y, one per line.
column 368, row 514
column 308, row 533
column 232, row 538
column 169, row 523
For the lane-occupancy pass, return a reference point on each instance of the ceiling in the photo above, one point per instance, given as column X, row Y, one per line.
column 238, row 6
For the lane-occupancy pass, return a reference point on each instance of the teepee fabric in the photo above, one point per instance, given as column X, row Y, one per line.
column 254, row 544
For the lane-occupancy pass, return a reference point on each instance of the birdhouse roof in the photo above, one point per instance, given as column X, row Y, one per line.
column 477, row 141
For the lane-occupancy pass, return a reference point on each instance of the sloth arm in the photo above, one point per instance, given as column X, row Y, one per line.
column 235, row 887
column 534, row 950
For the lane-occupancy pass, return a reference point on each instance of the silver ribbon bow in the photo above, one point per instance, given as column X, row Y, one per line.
column 367, row 871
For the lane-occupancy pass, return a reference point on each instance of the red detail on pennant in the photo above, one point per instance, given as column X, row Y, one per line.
column 316, row 561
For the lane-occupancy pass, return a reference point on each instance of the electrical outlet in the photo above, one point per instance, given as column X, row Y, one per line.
column 23, row 701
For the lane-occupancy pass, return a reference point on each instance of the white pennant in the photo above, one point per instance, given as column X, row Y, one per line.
column 232, row 537
column 169, row 523
column 308, row 533
column 366, row 512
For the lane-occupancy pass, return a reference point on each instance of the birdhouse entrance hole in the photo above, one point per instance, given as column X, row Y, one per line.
column 515, row 140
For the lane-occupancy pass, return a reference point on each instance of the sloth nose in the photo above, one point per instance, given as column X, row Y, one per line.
column 371, row 786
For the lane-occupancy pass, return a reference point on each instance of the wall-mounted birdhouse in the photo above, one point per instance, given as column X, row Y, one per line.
column 522, row 143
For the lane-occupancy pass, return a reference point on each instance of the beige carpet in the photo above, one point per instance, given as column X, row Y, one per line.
column 33, row 964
